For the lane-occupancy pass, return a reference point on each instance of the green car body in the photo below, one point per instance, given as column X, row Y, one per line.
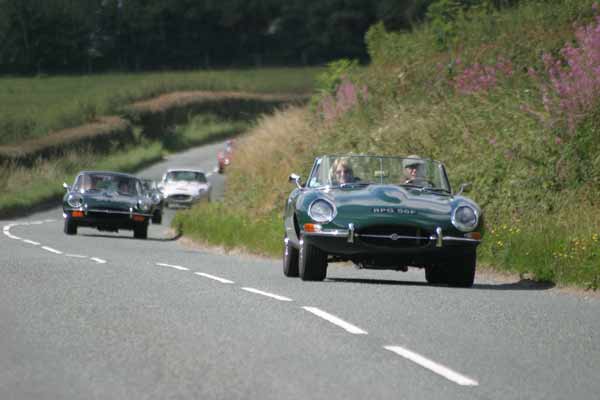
column 380, row 222
column 108, row 201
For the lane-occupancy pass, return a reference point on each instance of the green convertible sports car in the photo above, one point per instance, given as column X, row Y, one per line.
column 381, row 213
column 108, row 201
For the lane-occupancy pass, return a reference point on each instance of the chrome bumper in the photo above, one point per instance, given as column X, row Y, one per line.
column 350, row 235
column 86, row 211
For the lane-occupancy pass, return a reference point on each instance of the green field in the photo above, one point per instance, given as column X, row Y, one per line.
column 30, row 107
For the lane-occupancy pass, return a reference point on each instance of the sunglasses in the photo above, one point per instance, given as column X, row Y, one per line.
column 343, row 172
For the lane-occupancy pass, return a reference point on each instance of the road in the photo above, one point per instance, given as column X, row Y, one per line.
column 106, row 316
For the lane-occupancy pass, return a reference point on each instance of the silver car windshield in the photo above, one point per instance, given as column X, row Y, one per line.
column 186, row 176
column 364, row 170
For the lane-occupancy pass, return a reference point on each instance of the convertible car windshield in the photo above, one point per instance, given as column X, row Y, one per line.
column 188, row 176
column 89, row 182
column 409, row 171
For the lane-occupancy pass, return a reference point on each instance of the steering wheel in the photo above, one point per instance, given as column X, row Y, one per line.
column 418, row 181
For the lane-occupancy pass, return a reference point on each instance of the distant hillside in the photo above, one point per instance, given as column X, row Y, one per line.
column 507, row 98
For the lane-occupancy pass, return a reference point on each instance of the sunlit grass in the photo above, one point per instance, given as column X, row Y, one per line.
column 31, row 107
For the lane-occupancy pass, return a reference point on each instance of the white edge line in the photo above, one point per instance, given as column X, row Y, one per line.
column 51, row 250
column 75, row 255
column 216, row 278
column 173, row 266
column 336, row 321
column 272, row 295
column 433, row 366
column 31, row 242
column 98, row 260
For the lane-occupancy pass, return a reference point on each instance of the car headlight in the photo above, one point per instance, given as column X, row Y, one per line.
column 156, row 198
column 142, row 205
column 321, row 211
column 465, row 218
column 75, row 200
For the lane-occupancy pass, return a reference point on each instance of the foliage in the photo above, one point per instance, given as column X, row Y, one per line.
column 136, row 35
column 473, row 105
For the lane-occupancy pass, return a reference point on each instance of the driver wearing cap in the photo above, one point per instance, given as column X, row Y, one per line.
column 413, row 169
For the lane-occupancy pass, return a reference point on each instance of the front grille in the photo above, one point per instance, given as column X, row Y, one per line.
column 180, row 197
column 394, row 236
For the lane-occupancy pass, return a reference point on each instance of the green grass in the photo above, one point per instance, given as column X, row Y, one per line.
column 217, row 225
column 30, row 107
column 26, row 188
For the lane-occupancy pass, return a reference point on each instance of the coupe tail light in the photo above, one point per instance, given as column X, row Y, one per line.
column 138, row 218
column 77, row 214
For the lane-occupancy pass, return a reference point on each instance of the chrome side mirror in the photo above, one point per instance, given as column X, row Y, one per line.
column 67, row 187
column 463, row 188
column 296, row 179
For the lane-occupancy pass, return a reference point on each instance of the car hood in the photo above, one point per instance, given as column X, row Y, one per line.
column 390, row 204
column 109, row 200
column 191, row 188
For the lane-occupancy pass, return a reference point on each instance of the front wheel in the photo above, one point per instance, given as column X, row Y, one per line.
column 140, row 231
column 157, row 217
column 312, row 262
column 434, row 274
column 290, row 259
column 461, row 269
column 70, row 227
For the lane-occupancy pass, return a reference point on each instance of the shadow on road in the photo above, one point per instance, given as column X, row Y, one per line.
column 523, row 284
column 149, row 239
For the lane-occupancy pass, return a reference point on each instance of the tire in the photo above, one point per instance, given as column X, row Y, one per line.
column 157, row 217
column 290, row 259
column 140, row 231
column 70, row 227
column 434, row 274
column 312, row 262
column 461, row 269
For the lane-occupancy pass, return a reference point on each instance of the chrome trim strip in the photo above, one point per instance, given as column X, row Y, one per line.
column 108, row 211
column 341, row 233
column 350, row 235
column 440, row 238
column 394, row 237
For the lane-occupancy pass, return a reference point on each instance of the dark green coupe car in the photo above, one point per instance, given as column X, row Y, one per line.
column 108, row 201
column 381, row 213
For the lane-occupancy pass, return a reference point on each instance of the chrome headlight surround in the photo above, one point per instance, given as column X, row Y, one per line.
column 156, row 198
column 75, row 200
column 465, row 218
column 143, row 206
column 322, row 211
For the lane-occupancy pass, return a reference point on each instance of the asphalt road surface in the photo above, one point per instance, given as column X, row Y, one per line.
column 106, row 316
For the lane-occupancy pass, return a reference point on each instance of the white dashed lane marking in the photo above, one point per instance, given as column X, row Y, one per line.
column 267, row 294
column 433, row 366
column 51, row 250
column 215, row 278
column 31, row 242
column 173, row 266
column 98, row 260
column 336, row 321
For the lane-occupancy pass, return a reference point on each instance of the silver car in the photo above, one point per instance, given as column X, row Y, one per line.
column 182, row 187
